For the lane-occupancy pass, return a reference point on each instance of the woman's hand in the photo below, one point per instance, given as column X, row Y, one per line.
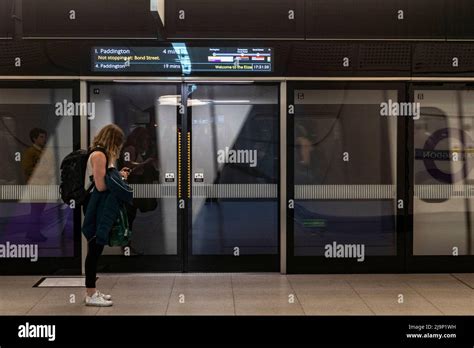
column 125, row 172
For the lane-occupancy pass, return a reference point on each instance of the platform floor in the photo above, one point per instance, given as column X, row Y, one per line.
column 249, row 294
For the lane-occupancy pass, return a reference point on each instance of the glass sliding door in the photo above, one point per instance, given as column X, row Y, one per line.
column 346, row 185
column 148, row 115
column 233, row 221
column 206, row 177
column 37, row 231
column 441, row 157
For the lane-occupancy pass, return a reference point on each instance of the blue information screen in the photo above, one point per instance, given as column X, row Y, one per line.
column 178, row 58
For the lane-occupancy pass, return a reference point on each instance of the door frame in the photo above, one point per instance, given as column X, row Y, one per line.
column 50, row 265
column 183, row 261
column 430, row 263
column 224, row 263
column 142, row 263
column 373, row 264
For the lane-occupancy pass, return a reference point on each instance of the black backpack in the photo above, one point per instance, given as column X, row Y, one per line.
column 73, row 170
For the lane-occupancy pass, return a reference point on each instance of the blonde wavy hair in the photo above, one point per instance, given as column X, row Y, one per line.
column 111, row 138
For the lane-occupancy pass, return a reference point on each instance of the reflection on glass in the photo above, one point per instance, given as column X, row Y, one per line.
column 34, row 141
column 147, row 115
column 344, row 171
column 444, row 145
column 234, row 169
column 139, row 155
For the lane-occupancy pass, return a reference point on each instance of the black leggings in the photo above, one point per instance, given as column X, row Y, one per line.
column 94, row 251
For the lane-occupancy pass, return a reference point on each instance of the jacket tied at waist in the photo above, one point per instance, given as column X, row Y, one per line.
column 102, row 209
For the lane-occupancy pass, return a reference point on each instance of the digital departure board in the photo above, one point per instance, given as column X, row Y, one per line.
column 179, row 58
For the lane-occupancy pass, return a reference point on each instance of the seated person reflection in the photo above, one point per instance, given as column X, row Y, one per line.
column 303, row 156
column 37, row 166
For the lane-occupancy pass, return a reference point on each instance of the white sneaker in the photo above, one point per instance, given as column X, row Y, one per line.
column 106, row 297
column 97, row 301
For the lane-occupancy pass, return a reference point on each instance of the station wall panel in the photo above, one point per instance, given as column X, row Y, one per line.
column 235, row 19
column 375, row 19
column 88, row 19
